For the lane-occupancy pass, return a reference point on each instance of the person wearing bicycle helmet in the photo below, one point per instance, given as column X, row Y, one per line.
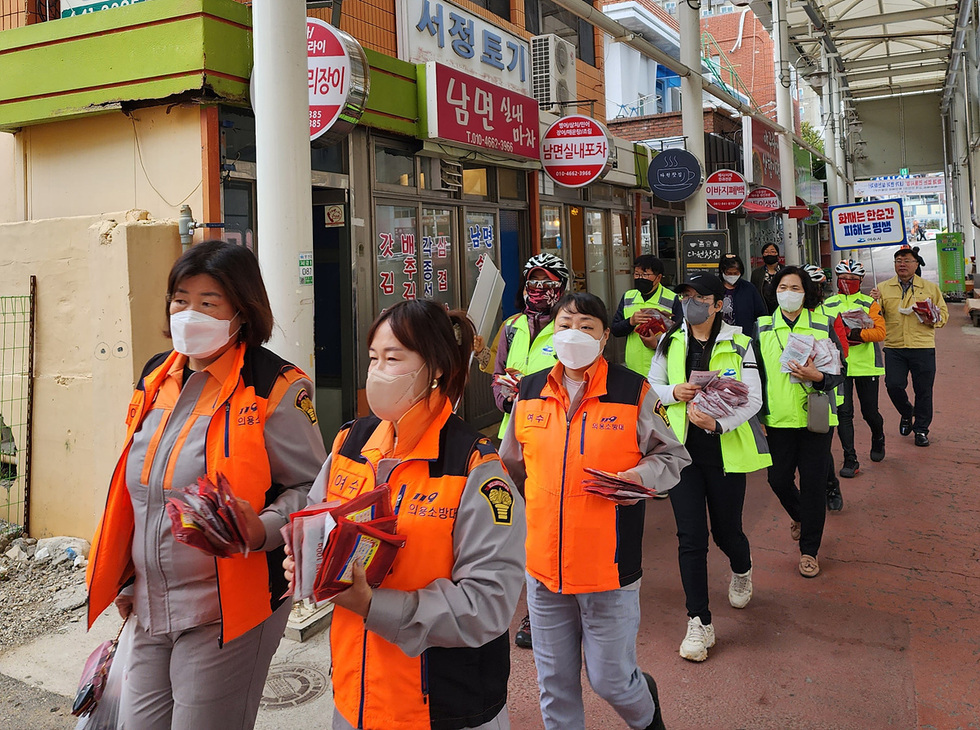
column 865, row 364
column 648, row 293
column 524, row 346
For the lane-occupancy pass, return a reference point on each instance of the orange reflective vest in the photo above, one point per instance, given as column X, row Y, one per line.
column 579, row 542
column 376, row 685
column 249, row 588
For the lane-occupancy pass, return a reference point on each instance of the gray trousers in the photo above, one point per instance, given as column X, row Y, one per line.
column 603, row 627
column 182, row 680
column 500, row 722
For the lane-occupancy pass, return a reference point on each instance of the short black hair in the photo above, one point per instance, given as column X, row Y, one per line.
column 582, row 302
column 811, row 293
column 728, row 261
column 649, row 262
column 773, row 245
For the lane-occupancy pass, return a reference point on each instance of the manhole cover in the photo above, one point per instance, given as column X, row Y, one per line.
column 289, row 685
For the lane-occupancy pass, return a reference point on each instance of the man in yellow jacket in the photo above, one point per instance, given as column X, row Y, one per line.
column 910, row 342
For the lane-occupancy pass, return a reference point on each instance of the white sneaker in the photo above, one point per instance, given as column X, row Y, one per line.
column 699, row 639
column 740, row 589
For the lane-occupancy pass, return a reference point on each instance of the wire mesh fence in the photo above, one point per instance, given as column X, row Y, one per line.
column 16, row 394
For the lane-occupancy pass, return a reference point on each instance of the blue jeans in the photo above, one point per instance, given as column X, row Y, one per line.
column 601, row 625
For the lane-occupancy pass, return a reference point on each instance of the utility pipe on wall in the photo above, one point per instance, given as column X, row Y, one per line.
column 692, row 106
column 282, row 165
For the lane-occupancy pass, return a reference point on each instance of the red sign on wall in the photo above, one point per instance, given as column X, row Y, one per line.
column 328, row 75
column 762, row 200
column 575, row 151
column 763, row 166
column 725, row 190
column 470, row 111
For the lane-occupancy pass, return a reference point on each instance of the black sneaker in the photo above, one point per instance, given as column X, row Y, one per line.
column 849, row 470
column 835, row 502
column 905, row 426
column 878, row 448
column 921, row 439
column 658, row 720
column 523, row 636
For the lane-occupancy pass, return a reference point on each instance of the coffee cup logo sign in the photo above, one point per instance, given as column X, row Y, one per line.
column 675, row 175
column 338, row 81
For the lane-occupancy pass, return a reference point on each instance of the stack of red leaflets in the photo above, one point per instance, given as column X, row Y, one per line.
column 326, row 540
column 611, row 486
column 720, row 397
column 509, row 382
column 857, row 319
column 659, row 322
column 209, row 518
column 926, row 311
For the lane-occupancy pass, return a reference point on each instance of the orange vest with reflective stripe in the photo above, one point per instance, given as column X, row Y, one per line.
column 248, row 587
column 579, row 542
column 376, row 685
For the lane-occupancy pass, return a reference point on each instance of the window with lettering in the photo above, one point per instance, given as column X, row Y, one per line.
column 397, row 253
column 436, row 256
column 596, row 271
column 480, row 239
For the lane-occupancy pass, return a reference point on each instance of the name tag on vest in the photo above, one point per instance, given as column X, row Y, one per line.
column 537, row 420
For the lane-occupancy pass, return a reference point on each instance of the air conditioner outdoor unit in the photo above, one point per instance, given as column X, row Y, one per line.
column 674, row 94
column 553, row 73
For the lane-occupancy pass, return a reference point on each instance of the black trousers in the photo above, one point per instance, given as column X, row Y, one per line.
column 867, row 393
column 921, row 364
column 792, row 450
column 724, row 495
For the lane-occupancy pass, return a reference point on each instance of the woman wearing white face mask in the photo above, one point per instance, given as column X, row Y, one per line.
column 722, row 450
column 793, row 445
column 429, row 647
column 742, row 304
column 219, row 403
column 584, row 551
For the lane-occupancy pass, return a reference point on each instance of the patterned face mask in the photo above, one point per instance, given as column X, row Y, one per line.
column 541, row 300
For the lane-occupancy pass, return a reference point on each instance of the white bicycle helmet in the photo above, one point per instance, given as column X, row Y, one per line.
column 548, row 262
column 850, row 266
column 817, row 274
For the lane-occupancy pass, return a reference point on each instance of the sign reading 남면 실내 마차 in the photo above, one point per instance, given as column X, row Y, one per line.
column 338, row 81
column 576, row 151
column 859, row 225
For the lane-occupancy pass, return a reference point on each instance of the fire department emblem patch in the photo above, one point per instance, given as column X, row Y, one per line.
column 662, row 412
column 500, row 498
column 305, row 404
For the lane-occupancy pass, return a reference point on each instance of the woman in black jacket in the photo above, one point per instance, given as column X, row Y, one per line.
column 743, row 304
column 762, row 276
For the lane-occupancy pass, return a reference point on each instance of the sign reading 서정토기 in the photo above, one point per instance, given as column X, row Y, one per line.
column 860, row 225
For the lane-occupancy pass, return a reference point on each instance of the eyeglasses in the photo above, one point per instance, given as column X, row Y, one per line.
column 704, row 299
column 644, row 275
column 543, row 284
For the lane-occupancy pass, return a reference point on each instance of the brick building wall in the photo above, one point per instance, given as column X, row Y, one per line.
column 656, row 126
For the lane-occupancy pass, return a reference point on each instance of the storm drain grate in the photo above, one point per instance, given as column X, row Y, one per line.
column 289, row 685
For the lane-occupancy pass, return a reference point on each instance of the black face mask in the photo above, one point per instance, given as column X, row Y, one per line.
column 771, row 259
column 644, row 286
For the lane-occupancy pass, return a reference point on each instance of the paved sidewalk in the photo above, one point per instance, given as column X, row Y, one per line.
column 885, row 637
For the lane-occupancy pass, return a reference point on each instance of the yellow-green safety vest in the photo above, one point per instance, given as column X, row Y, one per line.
column 528, row 357
column 638, row 355
column 864, row 359
column 743, row 450
column 786, row 401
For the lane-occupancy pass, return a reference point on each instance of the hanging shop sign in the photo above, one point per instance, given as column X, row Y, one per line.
column 472, row 112
column 892, row 187
column 858, row 225
column 815, row 216
column 71, row 8
column 576, row 151
column 703, row 249
column 725, row 190
column 436, row 30
column 338, row 78
column 762, row 200
column 762, row 156
column 675, row 175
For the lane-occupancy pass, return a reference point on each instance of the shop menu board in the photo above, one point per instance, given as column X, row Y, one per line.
column 703, row 249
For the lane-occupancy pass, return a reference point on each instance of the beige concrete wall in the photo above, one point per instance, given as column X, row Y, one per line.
column 100, row 315
column 92, row 165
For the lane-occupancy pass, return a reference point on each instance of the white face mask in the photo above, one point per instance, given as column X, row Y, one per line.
column 198, row 335
column 731, row 278
column 790, row 301
column 392, row 396
column 576, row 349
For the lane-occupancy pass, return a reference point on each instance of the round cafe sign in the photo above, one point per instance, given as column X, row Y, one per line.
column 576, row 151
column 725, row 190
column 338, row 81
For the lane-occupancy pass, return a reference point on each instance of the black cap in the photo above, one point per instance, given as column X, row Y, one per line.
column 704, row 284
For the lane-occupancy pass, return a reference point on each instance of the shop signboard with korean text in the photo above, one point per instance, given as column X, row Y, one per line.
column 725, row 190
column 675, row 175
column 338, row 81
column 71, row 8
column 952, row 264
column 860, row 225
column 414, row 257
column 762, row 156
column 437, row 30
column 702, row 250
column 576, row 151
column 891, row 187
column 762, row 200
column 469, row 111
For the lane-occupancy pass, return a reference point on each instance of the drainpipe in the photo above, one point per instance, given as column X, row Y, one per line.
column 692, row 106
column 282, row 165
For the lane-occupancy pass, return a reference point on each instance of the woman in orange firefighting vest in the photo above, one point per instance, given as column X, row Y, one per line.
column 583, row 550
column 428, row 648
column 219, row 403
